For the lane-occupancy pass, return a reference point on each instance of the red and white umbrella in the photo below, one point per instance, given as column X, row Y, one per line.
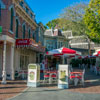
column 97, row 54
column 63, row 51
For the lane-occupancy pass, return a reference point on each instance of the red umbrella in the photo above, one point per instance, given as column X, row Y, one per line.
column 63, row 51
column 97, row 54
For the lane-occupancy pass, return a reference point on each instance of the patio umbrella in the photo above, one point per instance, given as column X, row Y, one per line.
column 63, row 51
column 96, row 54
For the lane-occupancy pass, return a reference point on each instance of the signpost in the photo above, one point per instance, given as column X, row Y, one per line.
column 0, row 29
column 33, row 75
column 63, row 77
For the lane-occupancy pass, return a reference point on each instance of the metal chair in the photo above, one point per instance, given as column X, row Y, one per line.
column 46, row 77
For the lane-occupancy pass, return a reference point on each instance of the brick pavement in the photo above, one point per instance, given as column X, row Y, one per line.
column 12, row 88
column 92, row 84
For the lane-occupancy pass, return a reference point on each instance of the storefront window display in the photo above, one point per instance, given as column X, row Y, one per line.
column 24, row 60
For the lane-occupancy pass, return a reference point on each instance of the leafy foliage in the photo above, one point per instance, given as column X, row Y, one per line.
column 92, row 20
column 75, row 15
column 71, row 19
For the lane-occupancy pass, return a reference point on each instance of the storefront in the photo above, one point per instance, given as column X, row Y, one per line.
column 27, row 51
column 6, row 58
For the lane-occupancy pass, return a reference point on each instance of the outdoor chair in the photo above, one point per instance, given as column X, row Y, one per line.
column 82, row 77
column 46, row 77
column 17, row 75
column 54, row 77
column 97, row 70
column 78, row 77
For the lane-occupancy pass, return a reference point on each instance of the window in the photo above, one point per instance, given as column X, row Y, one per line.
column 11, row 20
column 33, row 36
column 17, row 23
column 31, row 15
column 24, row 61
column 23, row 31
column 29, row 33
column 61, row 44
column 27, row 10
column 21, row 4
column 58, row 44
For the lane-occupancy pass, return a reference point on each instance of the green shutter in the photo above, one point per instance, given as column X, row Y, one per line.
column 0, row 29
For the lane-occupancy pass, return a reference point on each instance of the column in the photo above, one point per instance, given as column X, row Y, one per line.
column 4, row 64
column 12, row 62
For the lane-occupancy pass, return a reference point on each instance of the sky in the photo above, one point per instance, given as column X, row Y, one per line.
column 47, row 10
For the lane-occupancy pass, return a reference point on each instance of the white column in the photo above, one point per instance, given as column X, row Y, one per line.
column 12, row 62
column 4, row 64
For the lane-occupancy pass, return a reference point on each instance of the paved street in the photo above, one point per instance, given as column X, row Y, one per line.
column 54, row 94
column 91, row 91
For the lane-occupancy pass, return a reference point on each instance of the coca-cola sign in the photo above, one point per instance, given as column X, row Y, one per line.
column 29, row 43
column 22, row 41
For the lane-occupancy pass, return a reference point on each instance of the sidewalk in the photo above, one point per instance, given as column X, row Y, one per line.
column 92, row 84
column 54, row 94
column 90, row 90
column 12, row 88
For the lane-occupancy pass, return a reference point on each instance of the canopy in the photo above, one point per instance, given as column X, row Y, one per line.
column 63, row 51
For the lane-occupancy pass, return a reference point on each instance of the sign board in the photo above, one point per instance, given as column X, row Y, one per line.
column 63, row 76
column 33, row 75
column 29, row 43
column 0, row 29
column 22, row 42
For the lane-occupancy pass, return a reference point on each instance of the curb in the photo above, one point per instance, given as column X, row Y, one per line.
column 18, row 94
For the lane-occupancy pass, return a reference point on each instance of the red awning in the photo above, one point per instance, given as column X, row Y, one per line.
column 24, row 43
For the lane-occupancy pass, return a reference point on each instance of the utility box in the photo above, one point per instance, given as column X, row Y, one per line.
column 33, row 75
column 63, row 77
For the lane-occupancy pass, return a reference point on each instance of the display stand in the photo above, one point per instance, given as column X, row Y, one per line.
column 33, row 75
column 63, row 77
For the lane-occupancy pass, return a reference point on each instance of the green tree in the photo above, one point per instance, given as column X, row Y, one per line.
column 52, row 24
column 74, row 14
column 92, row 20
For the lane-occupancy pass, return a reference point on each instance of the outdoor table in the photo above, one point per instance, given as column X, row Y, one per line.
column 76, row 75
column 50, row 74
